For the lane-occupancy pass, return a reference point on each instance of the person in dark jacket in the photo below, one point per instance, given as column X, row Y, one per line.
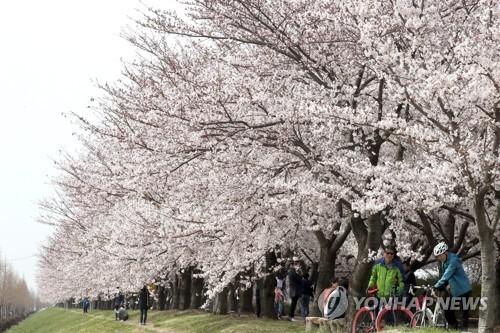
column 86, row 304
column 144, row 304
column 307, row 293
column 295, row 286
column 118, row 302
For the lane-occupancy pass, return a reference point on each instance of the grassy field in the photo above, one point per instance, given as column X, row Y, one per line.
column 56, row 320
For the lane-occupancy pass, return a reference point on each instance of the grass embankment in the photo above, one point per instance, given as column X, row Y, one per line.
column 56, row 320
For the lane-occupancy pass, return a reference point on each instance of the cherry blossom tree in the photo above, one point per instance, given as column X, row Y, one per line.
column 272, row 121
column 442, row 62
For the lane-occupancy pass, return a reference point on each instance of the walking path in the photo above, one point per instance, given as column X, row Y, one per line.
column 148, row 326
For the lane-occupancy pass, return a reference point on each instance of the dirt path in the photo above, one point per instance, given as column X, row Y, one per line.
column 148, row 326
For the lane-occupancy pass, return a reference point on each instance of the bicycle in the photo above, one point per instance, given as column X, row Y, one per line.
column 424, row 317
column 367, row 320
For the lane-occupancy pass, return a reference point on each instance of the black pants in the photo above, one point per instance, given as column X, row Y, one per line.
column 117, row 307
column 257, row 304
column 144, row 315
column 450, row 314
column 293, row 306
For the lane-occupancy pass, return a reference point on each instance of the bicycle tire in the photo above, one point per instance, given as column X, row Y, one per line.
column 440, row 320
column 421, row 319
column 404, row 313
column 363, row 321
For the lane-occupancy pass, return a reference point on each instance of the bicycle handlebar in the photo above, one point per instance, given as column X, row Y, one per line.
column 424, row 287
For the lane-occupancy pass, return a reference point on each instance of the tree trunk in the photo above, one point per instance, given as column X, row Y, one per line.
column 175, row 293
column 448, row 226
column 232, row 302
column 185, row 289
column 267, row 298
column 246, row 300
column 326, row 271
column 267, row 291
column 220, row 303
column 162, row 297
column 498, row 284
column 368, row 238
column 196, row 292
column 488, row 267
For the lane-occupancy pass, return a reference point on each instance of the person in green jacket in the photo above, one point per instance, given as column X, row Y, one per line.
column 386, row 276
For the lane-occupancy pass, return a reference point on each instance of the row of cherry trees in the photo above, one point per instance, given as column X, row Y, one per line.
column 250, row 129
column 16, row 299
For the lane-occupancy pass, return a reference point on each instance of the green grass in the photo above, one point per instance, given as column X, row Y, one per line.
column 201, row 322
column 424, row 330
column 55, row 320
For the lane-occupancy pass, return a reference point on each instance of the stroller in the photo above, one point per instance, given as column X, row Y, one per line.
column 122, row 313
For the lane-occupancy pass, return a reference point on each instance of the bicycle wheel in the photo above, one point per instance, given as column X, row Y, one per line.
column 420, row 319
column 363, row 321
column 440, row 319
column 398, row 317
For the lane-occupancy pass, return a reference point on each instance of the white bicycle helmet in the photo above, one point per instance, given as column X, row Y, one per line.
column 440, row 249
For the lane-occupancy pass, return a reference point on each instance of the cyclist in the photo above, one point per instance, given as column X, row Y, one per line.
column 386, row 276
column 453, row 274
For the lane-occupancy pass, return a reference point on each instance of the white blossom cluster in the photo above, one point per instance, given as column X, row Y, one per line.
column 271, row 125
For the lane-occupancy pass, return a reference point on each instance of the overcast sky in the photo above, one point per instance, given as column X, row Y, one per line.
column 52, row 52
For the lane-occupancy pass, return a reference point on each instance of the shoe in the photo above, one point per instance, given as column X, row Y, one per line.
column 293, row 319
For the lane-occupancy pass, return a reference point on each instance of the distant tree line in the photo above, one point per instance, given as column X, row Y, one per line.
column 16, row 299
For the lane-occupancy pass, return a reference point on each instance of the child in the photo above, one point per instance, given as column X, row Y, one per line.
column 279, row 301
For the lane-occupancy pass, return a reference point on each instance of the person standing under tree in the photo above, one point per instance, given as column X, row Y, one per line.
column 307, row 293
column 86, row 304
column 144, row 304
column 453, row 275
column 118, row 302
column 386, row 276
column 279, row 293
column 295, row 286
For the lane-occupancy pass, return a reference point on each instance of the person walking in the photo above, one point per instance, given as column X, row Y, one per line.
column 279, row 293
column 279, row 300
column 86, row 304
column 118, row 302
column 307, row 293
column 453, row 274
column 295, row 286
column 144, row 304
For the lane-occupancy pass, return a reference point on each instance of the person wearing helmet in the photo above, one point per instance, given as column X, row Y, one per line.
column 453, row 274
